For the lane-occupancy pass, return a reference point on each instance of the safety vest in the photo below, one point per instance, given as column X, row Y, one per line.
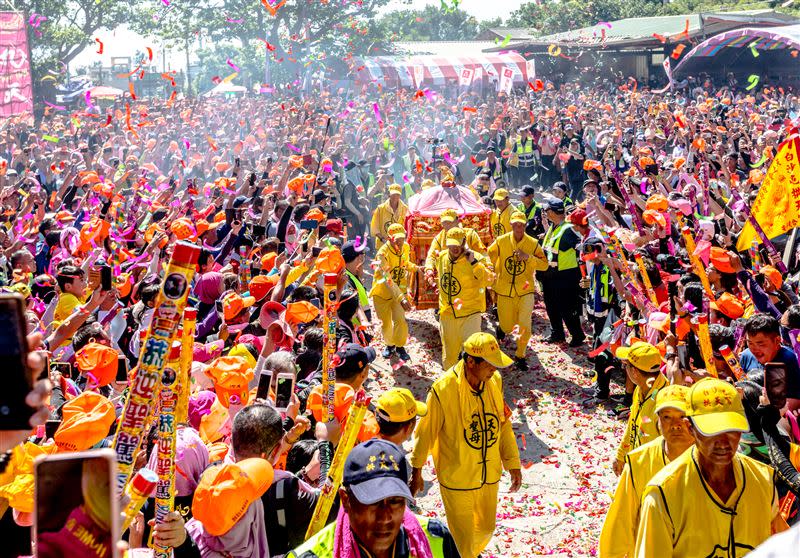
column 525, row 152
column 605, row 292
column 567, row 259
column 321, row 544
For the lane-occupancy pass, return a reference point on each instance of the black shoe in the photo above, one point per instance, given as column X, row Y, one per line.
column 521, row 363
column 577, row 342
column 595, row 400
column 552, row 339
column 388, row 351
column 499, row 333
column 402, row 354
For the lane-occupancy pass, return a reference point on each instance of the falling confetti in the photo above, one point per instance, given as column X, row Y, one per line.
column 100, row 45
column 753, row 81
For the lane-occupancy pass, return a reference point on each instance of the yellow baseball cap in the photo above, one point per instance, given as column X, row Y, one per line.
column 715, row 407
column 673, row 397
column 396, row 230
column 449, row 215
column 455, row 236
column 641, row 355
column 395, row 189
column 399, row 405
column 485, row 346
column 518, row 217
column 500, row 194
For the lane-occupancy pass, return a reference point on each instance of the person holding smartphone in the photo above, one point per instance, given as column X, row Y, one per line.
column 764, row 346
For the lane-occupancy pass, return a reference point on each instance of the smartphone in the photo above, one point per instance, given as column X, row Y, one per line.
column 308, row 224
column 122, row 370
column 775, row 383
column 50, row 428
column 230, row 215
column 15, row 414
column 264, row 383
column 63, row 368
column 284, row 387
column 105, row 278
column 74, row 493
column 308, row 160
column 281, row 247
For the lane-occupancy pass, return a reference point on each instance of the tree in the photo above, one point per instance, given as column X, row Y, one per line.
column 551, row 16
column 68, row 29
column 429, row 24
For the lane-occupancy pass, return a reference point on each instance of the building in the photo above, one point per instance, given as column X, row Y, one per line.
column 634, row 46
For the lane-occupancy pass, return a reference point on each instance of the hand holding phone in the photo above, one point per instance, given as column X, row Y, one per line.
column 264, row 383
column 106, row 281
column 15, row 413
column 284, row 388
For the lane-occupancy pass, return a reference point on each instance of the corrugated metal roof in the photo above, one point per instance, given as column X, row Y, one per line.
column 517, row 33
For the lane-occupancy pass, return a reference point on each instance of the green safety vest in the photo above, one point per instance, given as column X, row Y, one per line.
column 525, row 152
column 567, row 259
column 321, row 544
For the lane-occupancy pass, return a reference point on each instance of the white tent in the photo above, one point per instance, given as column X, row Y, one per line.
column 225, row 88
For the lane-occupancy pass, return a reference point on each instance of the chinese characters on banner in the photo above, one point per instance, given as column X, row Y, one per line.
column 16, row 91
column 777, row 206
column 465, row 80
column 506, row 80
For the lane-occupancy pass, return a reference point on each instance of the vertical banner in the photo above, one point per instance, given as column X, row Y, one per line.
column 419, row 74
column 506, row 80
column 465, row 80
column 16, row 91
column 530, row 69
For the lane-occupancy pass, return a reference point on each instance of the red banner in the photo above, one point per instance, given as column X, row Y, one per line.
column 16, row 91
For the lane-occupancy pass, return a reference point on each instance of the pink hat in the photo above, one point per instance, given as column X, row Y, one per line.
column 207, row 352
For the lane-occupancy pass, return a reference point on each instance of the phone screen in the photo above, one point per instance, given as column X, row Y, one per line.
column 122, row 370
column 74, row 493
column 264, row 382
column 283, row 392
column 105, row 278
column 14, row 412
column 63, row 368
column 50, row 428
column 308, row 224
column 775, row 383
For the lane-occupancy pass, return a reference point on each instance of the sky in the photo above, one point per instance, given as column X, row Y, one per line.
column 123, row 42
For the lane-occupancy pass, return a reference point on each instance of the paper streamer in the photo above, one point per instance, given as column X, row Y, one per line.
column 232, row 65
column 753, row 81
column 99, row 45
column 329, row 321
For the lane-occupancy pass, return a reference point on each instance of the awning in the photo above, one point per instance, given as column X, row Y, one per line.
column 754, row 38
column 437, row 70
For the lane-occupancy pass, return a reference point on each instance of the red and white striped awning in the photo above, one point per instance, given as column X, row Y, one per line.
column 438, row 70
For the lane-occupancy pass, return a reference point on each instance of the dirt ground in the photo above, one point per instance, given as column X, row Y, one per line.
column 565, row 448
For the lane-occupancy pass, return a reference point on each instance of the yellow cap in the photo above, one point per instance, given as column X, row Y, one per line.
column 395, row 189
column 673, row 397
column 427, row 183
column 485, row 346
column 399, row 405
column 455, row 236
column 449, row 215
column 500, row 194
column 641, row 355
column 715, row 407
column 396, row 231
column 518, row 217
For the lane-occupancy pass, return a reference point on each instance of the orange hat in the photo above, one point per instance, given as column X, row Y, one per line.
column 105, row 189
column 261, row 285
column 268, row 261
column 651, row 217
column 122, row 283
column 97, row 362
column 219, row 216
column 182, row 229
column 341, row 402
column 86, row 420
column 230, row 375
column 225, row 492
column 296, row 184
column 330, row 260
column 657, row 202
column 217, row 451
column 295, row 161
column 720, row 260
column 300, row 312
column 233, row 305
column 204, row 226
column 729, row 305
column 151, row 232
column 315, row 214
column 773, row 275
column 222, row 167
column 64, row 216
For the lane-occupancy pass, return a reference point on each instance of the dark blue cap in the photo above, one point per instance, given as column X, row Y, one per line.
column 353, row 357
column 376, row 470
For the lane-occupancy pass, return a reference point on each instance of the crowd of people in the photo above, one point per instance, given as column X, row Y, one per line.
column 589, row 194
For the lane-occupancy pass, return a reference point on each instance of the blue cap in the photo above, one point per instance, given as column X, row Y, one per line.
column 353, row 357
column 376, row 470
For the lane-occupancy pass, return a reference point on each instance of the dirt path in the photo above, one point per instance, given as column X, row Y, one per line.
column 565, row 448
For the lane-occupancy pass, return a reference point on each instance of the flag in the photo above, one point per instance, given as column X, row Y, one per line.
column 466, row 77
column 506, row 80
column 777, row 206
